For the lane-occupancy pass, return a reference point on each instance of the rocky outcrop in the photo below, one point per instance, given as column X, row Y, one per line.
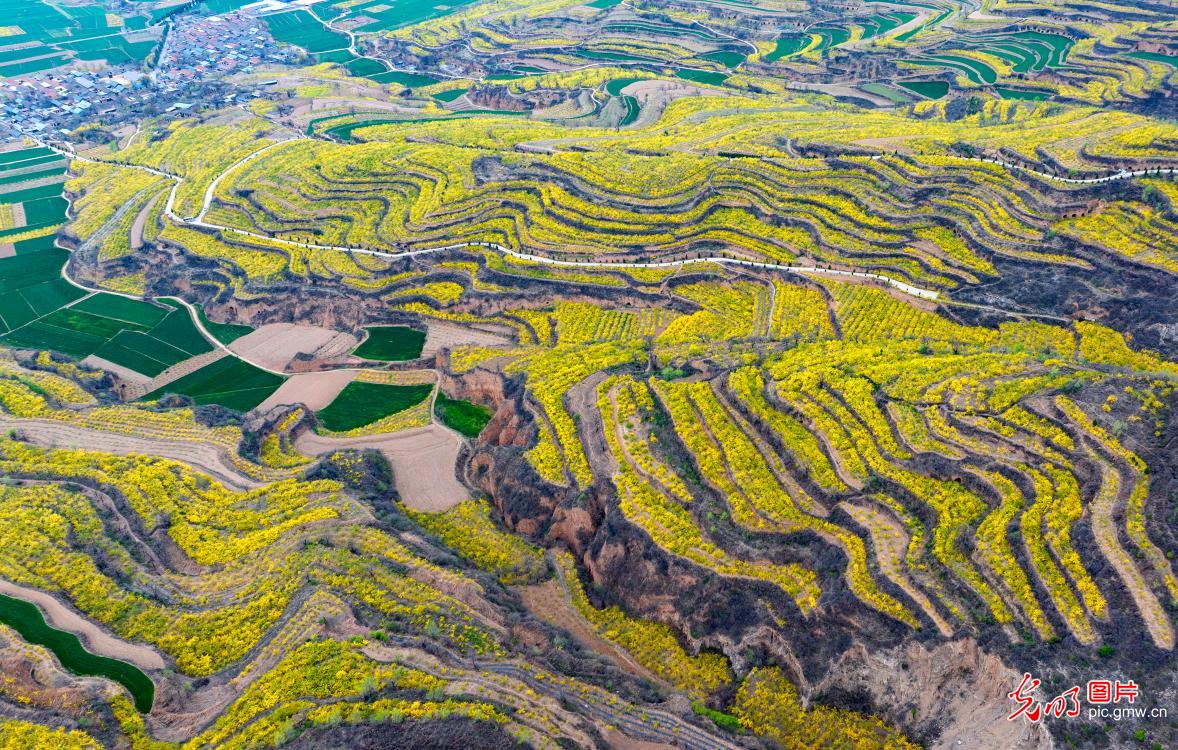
column 951, row 695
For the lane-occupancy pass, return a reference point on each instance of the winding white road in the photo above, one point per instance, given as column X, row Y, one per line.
column 915, row 291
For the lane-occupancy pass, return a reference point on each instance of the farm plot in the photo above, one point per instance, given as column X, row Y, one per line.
column 315, row 390
column 927, row 89
column 137, row 335
column 229, row 382
column 386, row 15
column 464, row 416
column 974, row 70
column 822, row 38
column 412, row 81
column 52, row 35
column 27, row 620
column 35, row 300
column 391, row 344
column 302, row 30
column 361, row 404
column 30, row 279
column 30, row 194
column 276, row 345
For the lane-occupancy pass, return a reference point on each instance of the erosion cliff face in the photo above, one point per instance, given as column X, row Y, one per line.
column 952, row 694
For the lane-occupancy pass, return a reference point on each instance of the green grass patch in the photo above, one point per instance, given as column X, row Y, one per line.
column 451, row 95
column 907, row 35
column 391, row 344
column 1156, row 57
column 1058, row 45
column 787, row 46
column 27, row 620
column 12, row 179
column 463, row 416
column 632, row 111
column 31, row 194
column 50, row 295
column 46, row 211
column 887, row 92
column 230, row 382
column 34, row 245
column 365, row 67
column 141, row 353
column 53, row 160
column 122, row 308
column 32, row 66
column 302, row 30
column 727, row 58
column 721, row 719
column 614, row 87
column 360, row 404
column 15, row 311
column 701, row 76
column 408, row 80
column 25, row 270
column 41, row 335
column 178, row 330
column 832, row 36
column 335, row 56
column 973, row 70
column 927, row 89
column 12, row 159
column 1032, row 96
column 1021, row 59
column 96, row 325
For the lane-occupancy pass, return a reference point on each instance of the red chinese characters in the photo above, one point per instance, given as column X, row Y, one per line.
column 1067, row 703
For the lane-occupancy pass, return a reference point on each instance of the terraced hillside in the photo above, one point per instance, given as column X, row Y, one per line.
column 611, row 374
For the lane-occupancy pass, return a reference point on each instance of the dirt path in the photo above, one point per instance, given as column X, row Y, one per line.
column 423, row 462
column 140, row 223
column 94, row 638
column 205, row 457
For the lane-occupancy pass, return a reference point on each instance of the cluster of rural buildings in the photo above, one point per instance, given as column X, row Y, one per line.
column 197, row 52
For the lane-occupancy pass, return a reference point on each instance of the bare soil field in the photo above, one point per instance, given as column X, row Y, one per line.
column 423, row 461
column 446, row 335
column 94, row 638
column 273, row 346
column 315, row 390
